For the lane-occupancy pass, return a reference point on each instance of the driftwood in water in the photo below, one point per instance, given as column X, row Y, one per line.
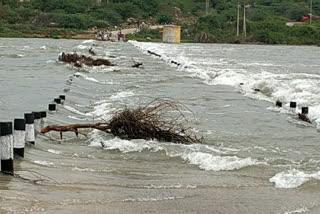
column 79, row 60
column 304, row 118
column 149, row 122
column 137, row 64
column 74, row 128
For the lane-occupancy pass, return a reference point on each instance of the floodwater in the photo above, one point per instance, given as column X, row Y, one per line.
column 257, row 158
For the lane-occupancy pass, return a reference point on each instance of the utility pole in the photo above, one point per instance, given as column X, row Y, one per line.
column 238, row 18
column 244, row 21
column 207, row 6
column 310, row 11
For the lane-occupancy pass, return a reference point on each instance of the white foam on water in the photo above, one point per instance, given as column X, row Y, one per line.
column 103, row 69
column 82, row 47
column 293, row 178
column 151, row 199
column 88, row 41
column 77, row 118
column 163, row 186
column 54, row 152
column 218, row 163
column 91, row 79
column 287, row 86
column 83, row 169
column 299, row 210
column 44, row 163
column 43, row 47
column 121, row 95
column 69, row 108
column 152, row 186
column 124, row 146
column 26, row 48
column 101, row 111
column 203, row 156
column 86, row 77
column 51, row 61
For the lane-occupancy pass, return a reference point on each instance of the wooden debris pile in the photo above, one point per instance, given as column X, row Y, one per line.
column 78, row 60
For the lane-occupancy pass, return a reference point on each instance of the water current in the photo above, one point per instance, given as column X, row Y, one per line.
column 257, row 158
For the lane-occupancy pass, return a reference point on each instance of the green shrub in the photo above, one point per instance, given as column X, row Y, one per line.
column 2, row 27
column 127, row 9
column 7, row 14
column 106, row 14
column 78, row 21
column 165, row 18
column 26, row 15
column 44, row 19
column 101, row 24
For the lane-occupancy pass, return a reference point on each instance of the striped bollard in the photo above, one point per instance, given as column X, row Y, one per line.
column 57, row 100
column 6, row 146
column 293, row 105
column 37, row 123
column 19, row 137
column 43, row 119
column 304, row 110
column 52, row 107
column 279, row 104
column 30, row 133
column 62, row 97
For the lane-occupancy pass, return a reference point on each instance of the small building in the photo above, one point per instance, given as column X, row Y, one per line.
column 171, row 34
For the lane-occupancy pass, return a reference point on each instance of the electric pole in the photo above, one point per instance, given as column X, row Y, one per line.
column 310, row 11
column 238, row 18
column 207, row 7
column 244, row 21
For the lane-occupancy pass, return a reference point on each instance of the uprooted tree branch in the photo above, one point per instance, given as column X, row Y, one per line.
column 158, row 120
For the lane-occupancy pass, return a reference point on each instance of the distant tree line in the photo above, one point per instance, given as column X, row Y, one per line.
column 266, row 19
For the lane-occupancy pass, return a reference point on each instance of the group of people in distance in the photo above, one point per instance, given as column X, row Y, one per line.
column 108, row 36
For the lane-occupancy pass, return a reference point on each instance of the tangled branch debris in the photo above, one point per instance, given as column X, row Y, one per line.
column 79, row 60
column 158, row 120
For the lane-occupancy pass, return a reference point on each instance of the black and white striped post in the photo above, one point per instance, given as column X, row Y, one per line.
column 43, row 119
column 6, row 146
column 30, row 132
column 62, row 97
column 57, row 100
column 293, row 106
column 305, row 110
column 279, row 104
column 52, row 107
column 19, row 137
column 37, row 123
